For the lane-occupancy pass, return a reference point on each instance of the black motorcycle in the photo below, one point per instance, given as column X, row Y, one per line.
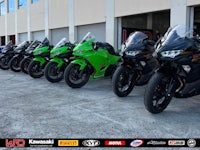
column 137, row 66
column 19, row 52
column 179, row 72
column 6, row 54
column 28, row 56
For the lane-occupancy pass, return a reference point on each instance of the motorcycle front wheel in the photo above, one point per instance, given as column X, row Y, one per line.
column 122, row 82
column 155, row 97
column 53, row 73
column 75, row 77
column 4, row 62
column 35, row 70
column 24, row 65
column 15, row 64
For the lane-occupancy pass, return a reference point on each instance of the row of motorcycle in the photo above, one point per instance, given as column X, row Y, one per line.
column 170, row 67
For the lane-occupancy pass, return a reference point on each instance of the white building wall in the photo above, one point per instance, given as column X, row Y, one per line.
column 11, row 23
column 89, row 11
column 131, row 7
column 37, row 16
column 2, row 26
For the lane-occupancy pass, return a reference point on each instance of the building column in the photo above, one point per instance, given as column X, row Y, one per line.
column 179, row 12
column 149, row 21
column 46, row 10
column 29, row 20
column 72, row 27
column 6, row 22
column 16, row 24
column 111, row 23
column 119, row 33
column 190, row 17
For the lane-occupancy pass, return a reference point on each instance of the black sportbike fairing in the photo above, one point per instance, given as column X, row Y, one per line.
column 138, row 56
column 175, row 66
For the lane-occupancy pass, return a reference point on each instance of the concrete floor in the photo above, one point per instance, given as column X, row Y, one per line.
column 35, row 108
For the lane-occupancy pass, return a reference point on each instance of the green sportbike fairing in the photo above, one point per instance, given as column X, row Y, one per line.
column 41, row 58
column 93, row 60
column 60, row 57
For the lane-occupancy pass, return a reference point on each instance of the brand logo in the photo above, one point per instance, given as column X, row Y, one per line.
column 176, row 142
column 15, row 143
column 42, row 142
column 156, row 142
column 191, row 143
column 115, row 143
column 68, row 143
column 136, row 143
column 91, row 143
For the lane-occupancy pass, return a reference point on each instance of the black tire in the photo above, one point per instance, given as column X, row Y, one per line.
column 73, row 74
column 14, row 64
column 35, row 70
column 24, row 65
column 53, row 73
column 120, row 79
column 156, row 92
column 4, row 62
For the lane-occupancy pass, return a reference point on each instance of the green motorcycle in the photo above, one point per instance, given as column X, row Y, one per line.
column 41, row 58
column 93, row 60
column 60, row 54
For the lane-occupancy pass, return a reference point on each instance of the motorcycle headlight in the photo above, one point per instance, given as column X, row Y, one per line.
column 57, row 53
column 39, row 52
column 172, row 53
column 132, row 53
column 80, row 51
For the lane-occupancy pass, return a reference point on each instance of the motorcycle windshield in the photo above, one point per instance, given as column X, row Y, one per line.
column 174, row 34
column 34, row 44
column 22, row 44
column 135, row 39
column 87, row 37
column 44, row 43
column 9, row 45
column 61, row 43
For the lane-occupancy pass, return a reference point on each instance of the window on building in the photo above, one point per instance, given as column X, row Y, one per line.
column 11, row 5
column 22, row 3
column 2, row 8
column 35, row 1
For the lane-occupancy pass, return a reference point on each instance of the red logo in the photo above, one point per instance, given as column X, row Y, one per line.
column 15, row 143
column 115, row 143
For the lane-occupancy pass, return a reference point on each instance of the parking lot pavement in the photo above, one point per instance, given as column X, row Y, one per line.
column 35, row 108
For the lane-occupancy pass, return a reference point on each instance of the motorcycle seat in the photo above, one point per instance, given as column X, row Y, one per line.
column 106, row 46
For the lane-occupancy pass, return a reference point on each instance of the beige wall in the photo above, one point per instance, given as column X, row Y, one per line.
column 193, row 2
column 130, row 7
column 11, row 23
column 58, row 13
column 37, row 16
column 2, row 25
column 22, row 20
column 89, row 11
